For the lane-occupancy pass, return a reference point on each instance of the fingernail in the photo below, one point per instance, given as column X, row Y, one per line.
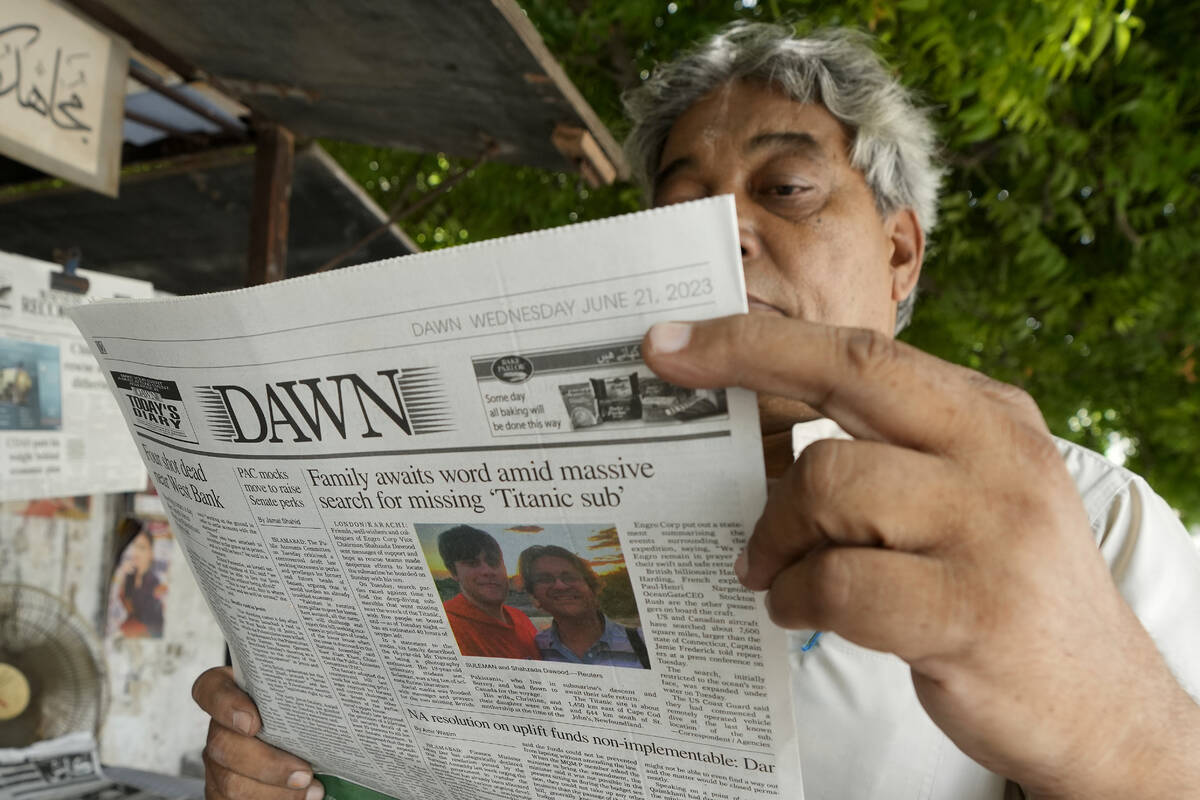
column 669, row 337
column 315, row 792
column 741, row 566
column 299, row 779
column 242, row 721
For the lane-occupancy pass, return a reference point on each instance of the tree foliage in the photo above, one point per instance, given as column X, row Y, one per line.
column 1064, row 261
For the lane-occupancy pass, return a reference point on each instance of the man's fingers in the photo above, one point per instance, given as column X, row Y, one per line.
column 874, row 387
column 255, row 759
column 1019, row 403
column 899, row 603
column 236, row 765
column 222, row 783
column 218, row 694
column 851, row 493
column 211, row 793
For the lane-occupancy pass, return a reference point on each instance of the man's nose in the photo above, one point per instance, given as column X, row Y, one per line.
column 748, row 238
column 748, row 235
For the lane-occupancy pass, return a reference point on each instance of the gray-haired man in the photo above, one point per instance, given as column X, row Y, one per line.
column 953, row 531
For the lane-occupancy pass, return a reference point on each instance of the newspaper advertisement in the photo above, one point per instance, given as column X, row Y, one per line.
column 61, row 432
column 463, row 543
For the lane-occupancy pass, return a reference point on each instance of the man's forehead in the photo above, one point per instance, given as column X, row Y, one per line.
column 744, row 113
column 546, row 563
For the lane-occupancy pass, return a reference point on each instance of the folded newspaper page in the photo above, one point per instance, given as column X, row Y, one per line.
column 463, row 543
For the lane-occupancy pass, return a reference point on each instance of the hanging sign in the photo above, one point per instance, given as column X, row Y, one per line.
column 62, row 93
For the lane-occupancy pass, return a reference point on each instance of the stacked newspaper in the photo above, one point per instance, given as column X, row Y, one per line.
column 462, row 542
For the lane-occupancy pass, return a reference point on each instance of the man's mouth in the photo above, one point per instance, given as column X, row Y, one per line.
column 759, row 306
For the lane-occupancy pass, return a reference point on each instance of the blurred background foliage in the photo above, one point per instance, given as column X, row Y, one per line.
column 1065, row 261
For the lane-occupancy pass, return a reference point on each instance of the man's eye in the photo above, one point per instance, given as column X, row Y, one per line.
column 787, row 190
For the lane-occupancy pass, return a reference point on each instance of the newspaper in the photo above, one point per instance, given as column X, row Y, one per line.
column 68, row 768
column 65, row 768
column 462, row 542
column 60, row 431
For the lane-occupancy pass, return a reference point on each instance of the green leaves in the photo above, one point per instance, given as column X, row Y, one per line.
column 1066, row 258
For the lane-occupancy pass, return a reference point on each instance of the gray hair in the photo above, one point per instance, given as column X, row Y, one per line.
column 893, row 144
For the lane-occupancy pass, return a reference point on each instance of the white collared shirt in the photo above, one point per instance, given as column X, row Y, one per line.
column 862, row 732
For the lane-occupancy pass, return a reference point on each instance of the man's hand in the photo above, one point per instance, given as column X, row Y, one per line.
column 236, row 765
column 950, row 533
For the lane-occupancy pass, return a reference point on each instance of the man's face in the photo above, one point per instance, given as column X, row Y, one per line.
column 814, row 246
column 142, row 553
column 483, row 579
column 560, row 589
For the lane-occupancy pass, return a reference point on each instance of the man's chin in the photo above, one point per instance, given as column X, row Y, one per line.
column 755, row 306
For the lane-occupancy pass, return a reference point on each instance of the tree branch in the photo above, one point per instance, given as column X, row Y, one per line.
column 1123, row 225
column 396, row 214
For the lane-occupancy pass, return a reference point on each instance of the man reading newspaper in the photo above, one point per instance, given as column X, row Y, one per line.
column 1038, row 605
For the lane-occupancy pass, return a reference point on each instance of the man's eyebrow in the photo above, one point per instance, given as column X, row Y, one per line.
column 792, row 140
column 670, row 169
column 800, row 141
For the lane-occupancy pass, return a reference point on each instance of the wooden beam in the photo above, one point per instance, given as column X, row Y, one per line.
column 170, row 130
column 273, row 161
column 152, row 82
column 554, row 72
column 578, row 147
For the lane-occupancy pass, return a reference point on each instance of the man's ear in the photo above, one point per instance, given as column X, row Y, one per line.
column 907, row 249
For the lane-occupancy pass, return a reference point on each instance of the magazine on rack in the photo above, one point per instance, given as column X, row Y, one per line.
column 462, row 542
